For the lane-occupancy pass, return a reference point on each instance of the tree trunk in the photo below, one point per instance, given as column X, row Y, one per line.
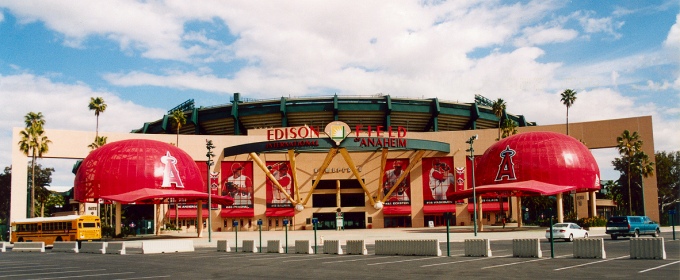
column 33, row 186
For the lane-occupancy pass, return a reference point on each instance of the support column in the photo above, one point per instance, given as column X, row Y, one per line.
column 480, row 218
column 117, row 225
column 560, row 210
column 593, row 204
column 519, row 211
column 199, row 218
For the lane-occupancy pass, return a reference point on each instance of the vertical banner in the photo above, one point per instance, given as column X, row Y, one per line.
column 460, row 181
column 438, row 180
column 238, row 183
column 214, row 187
column 275, row 197
column 401, row 195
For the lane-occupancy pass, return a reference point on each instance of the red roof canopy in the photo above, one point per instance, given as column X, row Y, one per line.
column 141, row 171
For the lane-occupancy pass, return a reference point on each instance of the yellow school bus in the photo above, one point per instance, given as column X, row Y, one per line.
column 50, row 229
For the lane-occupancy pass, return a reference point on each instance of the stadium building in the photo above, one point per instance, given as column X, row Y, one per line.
column 375, row 162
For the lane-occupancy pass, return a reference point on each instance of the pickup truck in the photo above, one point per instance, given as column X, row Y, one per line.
column 631, row 226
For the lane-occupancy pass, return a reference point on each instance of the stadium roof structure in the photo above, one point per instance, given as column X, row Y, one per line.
column 418, row 115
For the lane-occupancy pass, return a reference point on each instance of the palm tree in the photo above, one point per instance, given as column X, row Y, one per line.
column 508, row 127
column 568, row 99
column 98, row 142
column 99, row 106
column 498, row 108
column 179, row 119
column 33, row 142
column 628, row 145
column 646, row 169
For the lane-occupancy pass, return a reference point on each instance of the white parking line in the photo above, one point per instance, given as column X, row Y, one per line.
column 568, row 267
column 80, row 276
column 53, row 272
column 535, row 260
column 409, row 260
column 653, row 268
column 307, row 259
column 472, row 260
column 36, row 269
column 360, row 259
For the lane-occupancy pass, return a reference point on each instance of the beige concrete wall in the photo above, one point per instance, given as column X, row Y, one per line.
column 599, row 134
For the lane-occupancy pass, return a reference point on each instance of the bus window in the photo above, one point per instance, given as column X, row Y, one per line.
column 80, row 225
column 89, row 225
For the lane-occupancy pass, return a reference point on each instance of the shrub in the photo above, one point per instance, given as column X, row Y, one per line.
column 592, row 222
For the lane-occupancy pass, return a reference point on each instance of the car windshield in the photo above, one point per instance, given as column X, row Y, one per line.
column 561, row 225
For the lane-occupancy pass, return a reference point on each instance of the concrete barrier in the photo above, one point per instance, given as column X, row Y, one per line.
column 167, row 246
column 526, row 248
column 3, row 247
column 356, row 247
column 303, row 247
column 93, row 247
column 29, row 247
column 115, row 248
column 65, row 247
column 477, row 248
column 274, row 246
column 249, row 246
column 332, row 247
column 416, row 247
column 589, row 248
column 223, row 246
column 647, row 248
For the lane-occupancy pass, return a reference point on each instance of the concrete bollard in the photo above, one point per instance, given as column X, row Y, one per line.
column 416, row 247
column 93, row 247
column 589, row 248
column 167, row 246
column 65, row 247
column 356, row 247
column 303, row 247
column 274, row 246
column 526, row 248
column 223, row 246
column 3, row 247
column 647, row 248
column 29, row 247
column 249, row 246
column 116, row 248
column 477, row 248
column 332, row 247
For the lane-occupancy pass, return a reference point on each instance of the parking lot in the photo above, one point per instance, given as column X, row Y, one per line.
column 207, row 263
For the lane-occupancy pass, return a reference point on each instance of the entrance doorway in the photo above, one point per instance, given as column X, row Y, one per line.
column 352, row 220
column 439, row 220
column 397, row 221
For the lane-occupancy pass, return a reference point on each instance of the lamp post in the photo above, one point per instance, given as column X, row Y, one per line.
column 471, row 141
column 259, row 225
column 209, row 145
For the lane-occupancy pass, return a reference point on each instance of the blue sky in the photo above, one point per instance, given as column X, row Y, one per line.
column 145, row 57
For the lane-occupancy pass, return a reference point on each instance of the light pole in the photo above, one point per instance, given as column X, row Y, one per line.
column 209, row 145
column 471, row 141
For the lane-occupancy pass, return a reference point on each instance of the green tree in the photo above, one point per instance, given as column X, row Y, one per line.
column 34, row 143
column 98, row 142
column 612, row 190
column 668, row 179
column 5, row 194
column 508, row 127
column 629, row 146
column 568, row 99
column 43, row 178
column 97, row 105
column 179, row 119
column 498, row 108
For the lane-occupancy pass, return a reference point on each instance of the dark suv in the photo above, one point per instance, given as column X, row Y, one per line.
column 631, row 226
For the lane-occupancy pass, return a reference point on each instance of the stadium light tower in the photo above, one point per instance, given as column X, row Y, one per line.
column 471, row 141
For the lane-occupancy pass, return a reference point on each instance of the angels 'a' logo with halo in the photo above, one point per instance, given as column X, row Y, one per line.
column 337, row 131
column 170, row 174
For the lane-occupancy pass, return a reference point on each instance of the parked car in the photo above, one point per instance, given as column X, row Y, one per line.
column 631, row 226
column 566, row 231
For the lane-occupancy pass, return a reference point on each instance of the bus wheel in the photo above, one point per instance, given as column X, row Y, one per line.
column 21, row 239
column 59, row 239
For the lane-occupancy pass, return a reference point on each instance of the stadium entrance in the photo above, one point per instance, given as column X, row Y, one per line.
column 352, row 220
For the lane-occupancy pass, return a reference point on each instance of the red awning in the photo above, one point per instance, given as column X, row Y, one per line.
column 439, row 208
column 489, row 207
column 147, row 195
column 524, row 188
column 399, row 210
column 237, row 212
column 280, row 212
column 186, row 213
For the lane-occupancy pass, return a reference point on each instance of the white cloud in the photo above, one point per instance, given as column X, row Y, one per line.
column 64, row 106
column 605, row 25
column 544, row 35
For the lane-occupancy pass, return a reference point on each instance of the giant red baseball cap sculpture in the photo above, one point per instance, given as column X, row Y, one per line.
column 141, row 171
column 534, row 163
